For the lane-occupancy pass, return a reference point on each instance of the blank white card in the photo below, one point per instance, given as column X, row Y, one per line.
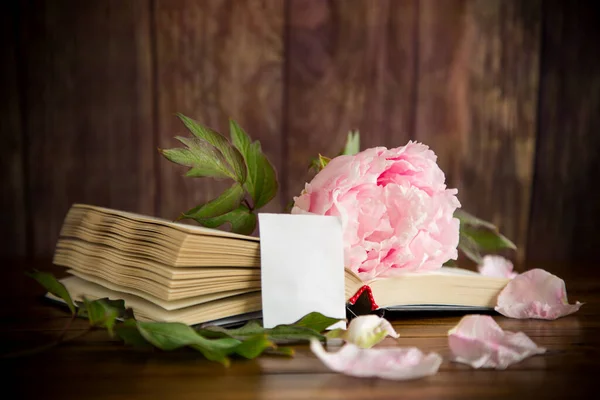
column 302, row 267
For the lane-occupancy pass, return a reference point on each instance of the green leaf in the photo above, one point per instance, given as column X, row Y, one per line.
column 220, row 142
column 226, row 202
column 291, row 333
column 352, row 145
column 281, row 351
column 251, row 328
column 254, row 346
column 171, row 336
column 310, row 326
column 488, row 241
column 479, row 237
column 316, row 321
column 278, row 334
column 239, row 137
column 469, row 248
column 242, row 220
column 52, row 285
column 103, row 313
column 128, row 332
column 262, row 179
column 450, row 263
column 469, row 219
column 202, row 158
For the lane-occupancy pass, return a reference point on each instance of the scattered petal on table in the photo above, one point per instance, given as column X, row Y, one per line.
column 497, row 267
column 366, row 331
column 477, row 340
column 389, row 363
column 535, row 294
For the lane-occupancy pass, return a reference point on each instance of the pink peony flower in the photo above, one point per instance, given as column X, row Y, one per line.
column 395, row 209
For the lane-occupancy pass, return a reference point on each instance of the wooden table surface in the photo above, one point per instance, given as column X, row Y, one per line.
column 96, row 366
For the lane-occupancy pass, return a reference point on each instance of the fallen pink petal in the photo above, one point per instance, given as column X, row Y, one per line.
column 388, row 363
column 535, row 294
column 496, row 267
column 478, row 341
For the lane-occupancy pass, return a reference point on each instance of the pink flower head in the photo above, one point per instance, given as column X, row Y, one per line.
column 395, row 209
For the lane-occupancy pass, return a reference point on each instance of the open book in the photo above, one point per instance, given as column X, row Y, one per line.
column 445, row 289
column 168, row 271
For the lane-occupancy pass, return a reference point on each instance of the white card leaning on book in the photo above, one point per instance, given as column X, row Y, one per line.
column 302, row 267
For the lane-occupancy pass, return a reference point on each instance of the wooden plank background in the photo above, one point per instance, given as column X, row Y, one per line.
column 507, row 93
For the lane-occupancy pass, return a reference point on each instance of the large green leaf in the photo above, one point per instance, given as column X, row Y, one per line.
column 262, row 179
column 242, row 220
column 52, row 285
column 226, row 202
column 278, row 334
column 310, row 326
column 251, row 328
column 202, row 158
column 232, row 155
column 352, row 145
column 171, row 336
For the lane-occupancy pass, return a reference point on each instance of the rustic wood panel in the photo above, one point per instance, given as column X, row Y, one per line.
column 477, row 102
column 566, row 201
column 215, row 60
column 13, row 221
column 350, row 65
column 88, row 117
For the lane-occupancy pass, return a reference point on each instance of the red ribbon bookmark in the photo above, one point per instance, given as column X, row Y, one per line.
column 360, row 291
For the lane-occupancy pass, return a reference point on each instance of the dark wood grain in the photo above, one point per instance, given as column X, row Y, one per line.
column 13, row 219
column 477, row 102
column 101, row 367
column 216, row 60
column 89, row 118
column 349, row 66
column 566, row 201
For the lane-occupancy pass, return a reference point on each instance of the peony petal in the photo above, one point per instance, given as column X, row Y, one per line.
column 388, row 363
column 367, row 330
column 497, row 267
column 477, row 340
column 535, row 294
